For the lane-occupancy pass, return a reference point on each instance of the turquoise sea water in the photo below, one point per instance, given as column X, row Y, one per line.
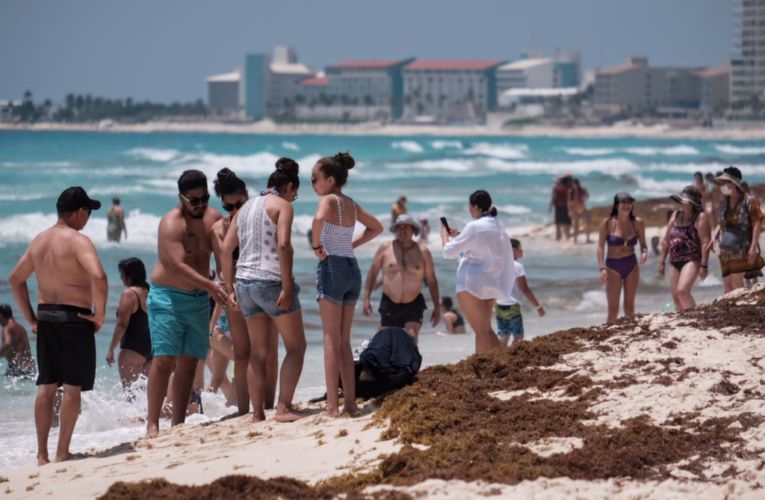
column 436, row 174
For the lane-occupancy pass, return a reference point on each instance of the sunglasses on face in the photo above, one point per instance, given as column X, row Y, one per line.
column 195, row 202
column 230, row 207
column 295, row 197
column 314, row 180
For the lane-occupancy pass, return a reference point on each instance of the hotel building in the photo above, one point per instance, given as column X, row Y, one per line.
column 747, row 76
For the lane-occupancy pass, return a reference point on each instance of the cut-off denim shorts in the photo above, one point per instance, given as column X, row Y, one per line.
column 260, row 296
column 338, row 280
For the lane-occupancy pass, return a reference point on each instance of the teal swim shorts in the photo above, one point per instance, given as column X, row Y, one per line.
column 178, row 321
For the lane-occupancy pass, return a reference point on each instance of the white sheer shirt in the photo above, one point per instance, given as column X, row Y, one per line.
column 487, row 269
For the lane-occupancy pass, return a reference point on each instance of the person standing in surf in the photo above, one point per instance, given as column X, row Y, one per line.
column 338, row 282
column 622, row 231
column 70, row 280
column 265, row 288
column 487, row 270
column 115, row 219
column 686, row 241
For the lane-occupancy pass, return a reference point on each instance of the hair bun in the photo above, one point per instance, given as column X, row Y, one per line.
column 289, row 165
column 345, row 160
column 225, row 174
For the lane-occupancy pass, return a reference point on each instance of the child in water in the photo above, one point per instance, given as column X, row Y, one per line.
column 509, row 319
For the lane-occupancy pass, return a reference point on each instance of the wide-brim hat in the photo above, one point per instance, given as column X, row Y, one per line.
column 408, row 220
column 689, row 195
column 731, row 174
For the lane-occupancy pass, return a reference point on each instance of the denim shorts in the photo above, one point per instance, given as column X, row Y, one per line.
column 512, row 325
column 338, row 280
column 260, row 296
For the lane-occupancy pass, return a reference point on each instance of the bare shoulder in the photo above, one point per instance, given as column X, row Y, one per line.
column 424, row 249
column 127, row 296
column 212, row 215
column 639, row 221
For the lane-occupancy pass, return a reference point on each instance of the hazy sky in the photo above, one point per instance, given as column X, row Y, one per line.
column 163, row 50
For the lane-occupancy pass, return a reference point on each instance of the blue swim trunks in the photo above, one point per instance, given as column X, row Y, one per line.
column 509, row 320
column 178, row 321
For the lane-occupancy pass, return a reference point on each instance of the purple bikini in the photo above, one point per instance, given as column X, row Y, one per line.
column 623, row 265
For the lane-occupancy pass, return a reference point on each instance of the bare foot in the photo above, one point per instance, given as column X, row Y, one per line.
column 152, row 430
column 287, row 416
column 258, row 417
column 42, row 459
column 331, row 412
column 63, row 457
column 351, row 410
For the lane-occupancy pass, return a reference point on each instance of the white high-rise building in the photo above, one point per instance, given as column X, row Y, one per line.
column 747, row 77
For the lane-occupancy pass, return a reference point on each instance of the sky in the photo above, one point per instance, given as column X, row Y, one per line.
column 163, row 50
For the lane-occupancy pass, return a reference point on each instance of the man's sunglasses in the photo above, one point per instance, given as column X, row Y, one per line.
column 195, row 202
column 230, row 207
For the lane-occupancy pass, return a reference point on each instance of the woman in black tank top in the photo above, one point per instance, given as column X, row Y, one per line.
column 132, row 329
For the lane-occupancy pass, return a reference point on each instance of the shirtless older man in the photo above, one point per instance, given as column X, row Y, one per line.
column 15, row 347
column 69, row 279
column 405, row 265
column 178, row 303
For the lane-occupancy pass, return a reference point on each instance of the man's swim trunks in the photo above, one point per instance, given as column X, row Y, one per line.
column 15, row 370
column 179, row 321
column 66, row 346
column 393, row 314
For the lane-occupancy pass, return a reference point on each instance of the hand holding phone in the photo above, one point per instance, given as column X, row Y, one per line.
column 446, row 225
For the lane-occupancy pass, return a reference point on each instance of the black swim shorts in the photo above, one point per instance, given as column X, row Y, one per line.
column 561, row 216
column 66, row 346
column 393, row 314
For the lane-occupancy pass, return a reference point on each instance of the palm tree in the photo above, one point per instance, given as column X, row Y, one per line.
column 69, row 101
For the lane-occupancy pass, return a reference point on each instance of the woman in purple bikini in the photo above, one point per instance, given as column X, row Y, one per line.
column 622, row 231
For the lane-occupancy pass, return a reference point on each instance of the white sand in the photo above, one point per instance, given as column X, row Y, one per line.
column 314, row 449
column 372, row 128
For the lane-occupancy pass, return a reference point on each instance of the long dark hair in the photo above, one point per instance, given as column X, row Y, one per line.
column 482, row 200
column 447, row 303
column 227, row 183
column 286, row 172
column 615, row 209
column 337, row 167
column 135, row 272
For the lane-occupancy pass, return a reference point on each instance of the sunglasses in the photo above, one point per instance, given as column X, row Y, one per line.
column 195, row 202
column 314, row 180
column 230, row 207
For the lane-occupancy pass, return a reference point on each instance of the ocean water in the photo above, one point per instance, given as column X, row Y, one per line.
column 436, row 174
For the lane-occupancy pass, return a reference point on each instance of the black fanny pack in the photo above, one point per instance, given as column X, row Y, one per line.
column 732, row 239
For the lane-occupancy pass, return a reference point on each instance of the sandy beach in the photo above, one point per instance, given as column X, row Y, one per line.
column 376, row 129
column 660, row 406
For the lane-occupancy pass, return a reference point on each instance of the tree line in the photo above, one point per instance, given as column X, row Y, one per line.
column 80, row 108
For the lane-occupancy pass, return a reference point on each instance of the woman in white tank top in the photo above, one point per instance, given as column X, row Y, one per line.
column 265, row 287
column 338, row 282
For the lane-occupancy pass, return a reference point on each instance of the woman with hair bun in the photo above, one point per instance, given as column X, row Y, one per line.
column 265, row 288
column 486, row 272
column 338, row 282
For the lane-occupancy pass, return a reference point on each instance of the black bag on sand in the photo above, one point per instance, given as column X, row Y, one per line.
column 390, row 362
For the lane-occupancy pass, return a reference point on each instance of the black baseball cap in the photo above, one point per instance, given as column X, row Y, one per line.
column 76, row 198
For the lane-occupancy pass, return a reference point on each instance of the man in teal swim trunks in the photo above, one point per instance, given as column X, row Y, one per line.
column 178, row 303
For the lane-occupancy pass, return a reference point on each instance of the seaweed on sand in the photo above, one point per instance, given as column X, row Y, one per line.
column 237, row 487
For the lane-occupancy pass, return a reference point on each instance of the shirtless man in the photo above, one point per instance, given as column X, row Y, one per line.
column 15, row 347
column 178, row 303
column 115, row 218
column 405, row 264
column 70, row 279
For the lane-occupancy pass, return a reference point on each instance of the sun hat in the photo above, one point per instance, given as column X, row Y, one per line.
column 622, row 196
column 690, row 195
column 407, row 220
column 731, row 174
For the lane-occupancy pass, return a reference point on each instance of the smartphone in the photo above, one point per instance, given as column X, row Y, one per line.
column 446, row 225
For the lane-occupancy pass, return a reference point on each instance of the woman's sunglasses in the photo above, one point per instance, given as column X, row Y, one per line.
column 230, row 207
column 195, row 202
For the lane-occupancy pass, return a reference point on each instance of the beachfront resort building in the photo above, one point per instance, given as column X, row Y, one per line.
column 450, row 90
column 355, row 90
column 223, row 93
column 714, row 87
column 748, row 62
column 635, row 85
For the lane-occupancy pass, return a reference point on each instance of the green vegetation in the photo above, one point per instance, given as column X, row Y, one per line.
column 519, row 122
column 86, row 108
